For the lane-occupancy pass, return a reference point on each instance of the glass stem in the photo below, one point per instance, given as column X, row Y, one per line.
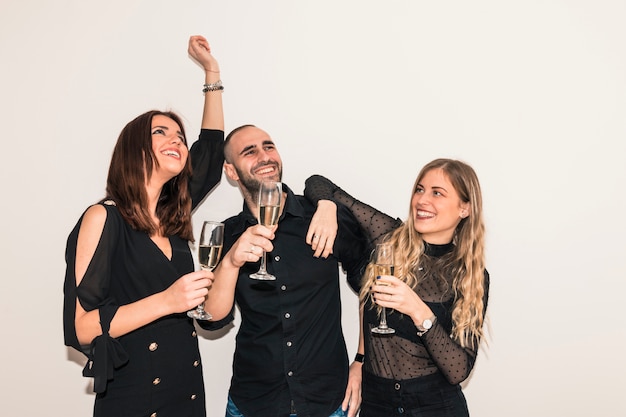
column 383, row 319
column 262, row 268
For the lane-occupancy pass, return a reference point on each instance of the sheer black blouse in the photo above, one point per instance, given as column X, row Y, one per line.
column 405, row 355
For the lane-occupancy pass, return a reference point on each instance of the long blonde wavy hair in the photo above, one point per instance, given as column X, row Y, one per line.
column 468, row 257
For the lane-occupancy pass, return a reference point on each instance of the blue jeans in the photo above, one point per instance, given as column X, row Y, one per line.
column 233, row 411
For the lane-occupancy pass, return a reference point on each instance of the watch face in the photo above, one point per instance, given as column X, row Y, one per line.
column 427, row 324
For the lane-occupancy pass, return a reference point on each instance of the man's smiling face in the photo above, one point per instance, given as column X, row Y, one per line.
column 252, row 157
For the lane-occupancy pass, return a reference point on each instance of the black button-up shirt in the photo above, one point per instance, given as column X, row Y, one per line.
column 290, row 345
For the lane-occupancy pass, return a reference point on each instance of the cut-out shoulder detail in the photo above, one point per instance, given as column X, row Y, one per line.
column 91, row 228
column 109, row 203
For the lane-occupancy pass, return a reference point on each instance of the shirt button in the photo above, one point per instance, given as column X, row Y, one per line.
column 397, row 386
column 287, row 315
column 400, row 410
column 289, row 344
column 193, row 396
column 196, row 363
column 283, row 287
column 277, row 258
column 290, row 373
column 153, row 346
column 156, row 381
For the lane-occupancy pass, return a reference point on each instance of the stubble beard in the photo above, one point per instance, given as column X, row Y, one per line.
column 250, row 186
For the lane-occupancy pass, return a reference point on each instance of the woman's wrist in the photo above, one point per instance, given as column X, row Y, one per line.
column 213, row 86
column 211, row 76
column 425, row 325
column 327, row 203
column 420, row 315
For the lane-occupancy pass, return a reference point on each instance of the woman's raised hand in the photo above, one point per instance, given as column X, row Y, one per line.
column 200, row 50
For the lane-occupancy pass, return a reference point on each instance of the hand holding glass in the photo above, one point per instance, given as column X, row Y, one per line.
column 270, row 194
column 209, row 251
column 383, row 265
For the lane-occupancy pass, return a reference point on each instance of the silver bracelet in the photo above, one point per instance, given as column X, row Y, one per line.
column 216, row 86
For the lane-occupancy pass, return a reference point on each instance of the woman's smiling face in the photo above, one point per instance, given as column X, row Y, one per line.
column 437, row 208
column 169, row 147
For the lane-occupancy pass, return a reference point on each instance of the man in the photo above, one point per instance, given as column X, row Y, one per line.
column 290, row 357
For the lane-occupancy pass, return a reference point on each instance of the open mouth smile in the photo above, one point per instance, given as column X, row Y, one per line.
column 265, row 170
column 172, row 153
column 421, row 214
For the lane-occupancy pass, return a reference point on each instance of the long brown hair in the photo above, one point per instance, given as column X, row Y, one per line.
column 133, row 159
column 468, row 258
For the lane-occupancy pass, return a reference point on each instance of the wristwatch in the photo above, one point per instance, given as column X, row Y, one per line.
column 426, row 325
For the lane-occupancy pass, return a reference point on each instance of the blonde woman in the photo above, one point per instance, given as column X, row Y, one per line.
column 436, row 301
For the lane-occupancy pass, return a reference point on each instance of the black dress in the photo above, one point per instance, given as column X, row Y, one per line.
column 156, row 369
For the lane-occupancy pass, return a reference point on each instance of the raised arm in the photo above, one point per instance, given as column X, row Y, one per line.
column 207, row 153
column 213, row 114
column 375, row 223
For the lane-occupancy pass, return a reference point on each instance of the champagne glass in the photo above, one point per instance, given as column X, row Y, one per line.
column 209, row 251
column 383, row 265
column 270, row 193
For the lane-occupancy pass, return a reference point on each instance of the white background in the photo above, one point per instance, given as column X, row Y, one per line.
column 531, row 93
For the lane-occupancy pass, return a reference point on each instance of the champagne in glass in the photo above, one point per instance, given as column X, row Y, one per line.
column 209, row 251
column 270, row 194
column 209, row 255
column 268, row 215
column 383, row 265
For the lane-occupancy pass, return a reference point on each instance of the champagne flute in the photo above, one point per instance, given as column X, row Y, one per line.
column 209, row 251
column 383, row 265
column 270, row 193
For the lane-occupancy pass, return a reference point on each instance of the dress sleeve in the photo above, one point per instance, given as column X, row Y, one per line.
column 375, row 223
column 454, row 361
column 207, row 160
column 105, row 353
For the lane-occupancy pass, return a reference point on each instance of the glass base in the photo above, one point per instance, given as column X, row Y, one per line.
column 383, row 330
column 263, row 276
column 199, row 314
